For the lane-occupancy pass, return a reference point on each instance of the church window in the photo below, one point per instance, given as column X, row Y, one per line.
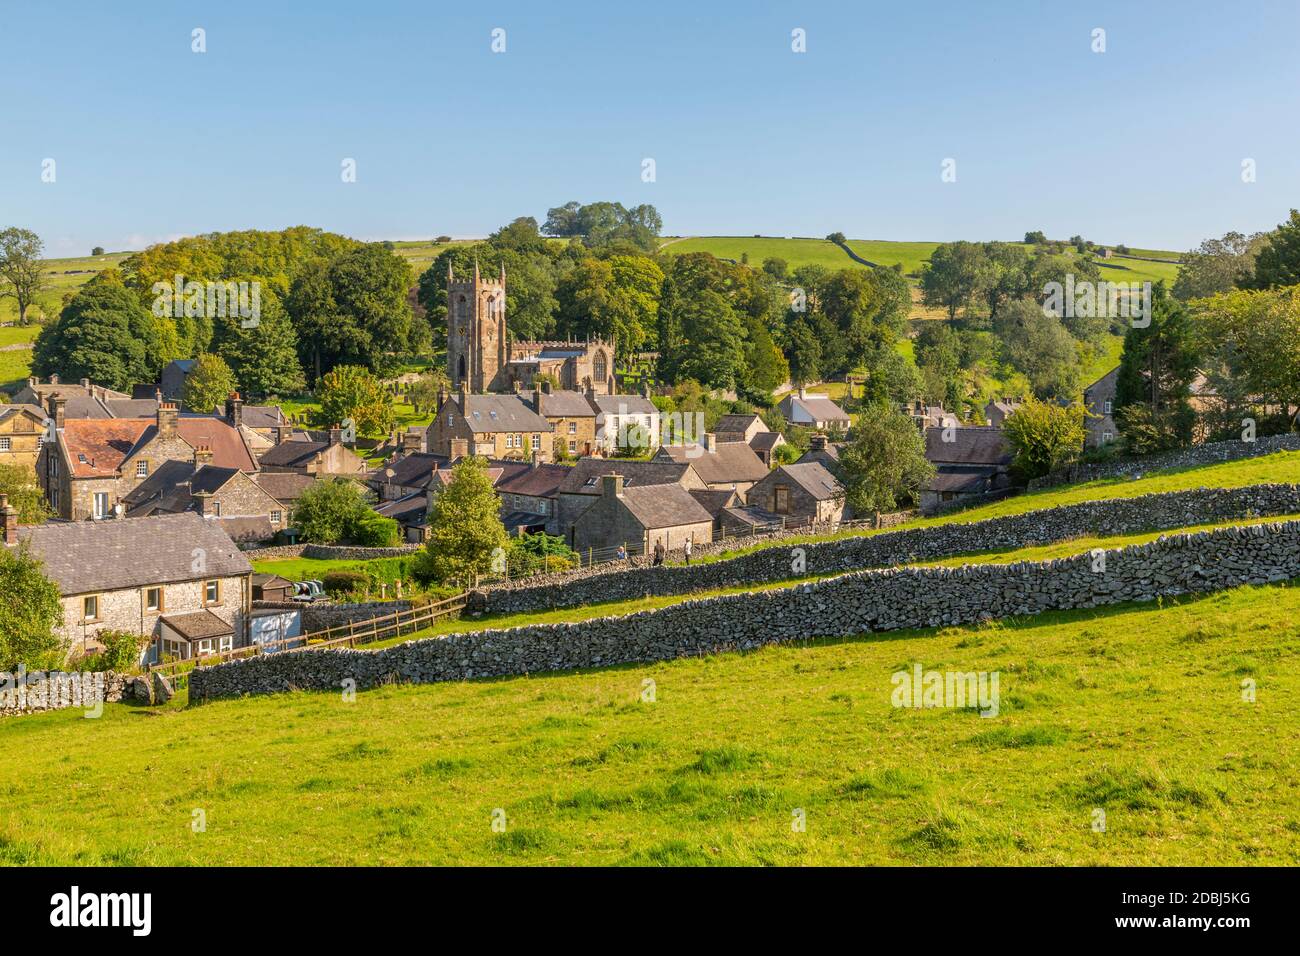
column 600, row 367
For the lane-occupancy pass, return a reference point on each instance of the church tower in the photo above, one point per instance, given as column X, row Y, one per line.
column 476, row 330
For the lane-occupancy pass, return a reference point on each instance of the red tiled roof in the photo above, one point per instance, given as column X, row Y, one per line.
column 106, row 442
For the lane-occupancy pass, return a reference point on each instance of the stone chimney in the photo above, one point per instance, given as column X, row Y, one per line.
column 462, row 398
column 442, row 397
column 282, row 433
column 611, row 486
column 537, row 398
column 410, row 441
column 336, row 434
column 167, row 415
column 710, row 442
column 201, row 504
column 459, row 448
column 817, row 443
column 202, row 456
column 85, row 383
column 33, row 381
column 234, row 410
column 58, row 409
column 8, row 520
column 803, row 392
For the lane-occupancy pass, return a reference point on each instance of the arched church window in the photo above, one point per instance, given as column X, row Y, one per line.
column 599, row 367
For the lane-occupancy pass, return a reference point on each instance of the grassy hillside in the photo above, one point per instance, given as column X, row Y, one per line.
column 1134, row 711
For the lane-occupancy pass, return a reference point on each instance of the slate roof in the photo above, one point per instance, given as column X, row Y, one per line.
column 965, row 481
column 290, row 454
column 765, row 441
column 624, row 405
column 82, row 557
column 584, row 476
column 971, row 445
column 197, row 625
column 413, row 471
column 247, row 529
column 813, row 478
column 502, row 413
column 664, row 506
column 285, row 486
column 730, row 461
column 816, row 408
column 714, row 501
column 172, row 484
column 735, row 423
column 567, row 404
column 540, row 481
column 9, row 411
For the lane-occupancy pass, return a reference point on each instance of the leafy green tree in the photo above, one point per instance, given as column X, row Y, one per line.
column 352, row 392
column 1044, row 436
column 616, row 297
column 1006, row 275
column 466, row 537
column 103, row 334
column 263, row 357
column 97, row 251
column 1278, row 262
column 777, row 268
column 955, row 274
column 30, row 611
column 804, row 352
column 606, row 223
column 764, row 367
column 1218, row 265
column 1036, row 237
column 1156, row 369
column 19, row 483
column 1038, row 346
column 352, row 310
column 208, row 385
column 369, row 529
column 329, row 511
column 711, row 338
column 422, row 394
column 21, row 278
column 884, row 464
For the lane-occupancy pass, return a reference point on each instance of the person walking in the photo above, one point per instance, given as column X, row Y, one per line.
column 687, row 550
column 659, row 552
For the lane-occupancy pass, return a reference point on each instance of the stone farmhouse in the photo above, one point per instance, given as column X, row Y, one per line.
column 641, row 516
column 969, row 461
column 492, row 426
column 752, row 429
column 177, row 579
column 807, row 492
column 572, row 415
column 481, row 357
column 301, row 455
column 92, row 464
column 723, row 466
column 581, row 487
column 998, row 410
column 22, row 432
column 530, row 498
column 814, row 411
column 1099, row 400
column 284, row 486
column 233, row 498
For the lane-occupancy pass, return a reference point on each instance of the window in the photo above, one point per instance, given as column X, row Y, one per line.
column 1109, row 405
column 153, row 599
column 573, row 428
column 5, row 444
column 537, row 442
column 573, row 446
column 598, row 367
column 205, row 646
column 211, row 592
column 1105, row 437
column 216, row 508
column 101, row 504
column 227, row 643
column 142, row 469
column 90, row 607
column 450, row 419
column 276, row 517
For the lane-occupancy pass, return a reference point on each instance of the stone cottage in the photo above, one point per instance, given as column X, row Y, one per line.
column 806, row 493
column 177, row 579
column 638, row 517
column 1099, row 400
column 723, row 465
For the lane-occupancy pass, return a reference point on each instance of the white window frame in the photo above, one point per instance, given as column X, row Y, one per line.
column 1109, row 406
column 537, row 442
column 96, row 510
column 6, row 444
column 276, row 517
column 142, row 469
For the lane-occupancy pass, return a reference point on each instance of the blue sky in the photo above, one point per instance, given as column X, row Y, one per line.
column 1141, row 144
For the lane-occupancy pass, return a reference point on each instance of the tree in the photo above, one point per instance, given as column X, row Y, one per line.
column 954, row 275
column 1278, row 262
column 1044, row 436
column 336, row 511
column 836, row 237
column 263, row 357
column 466, row 537
column 19, row 483
column 208, row 385
column 711, row 337
column 1156, row 368
column 1218, row 265
column 103, row 334
column 1038, row 346
column 614, row 298
column 97, row 251
column 20, row 268
column 606, row 223
column 1007, row 274
column 1037, row 237
column 804, row 352
column 352, row 310
column 884, row 464
column 776, row 267
column 422, row 394
column 352, row 392
column 30, row 611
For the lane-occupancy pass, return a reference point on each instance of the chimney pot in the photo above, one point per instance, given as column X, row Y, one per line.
column 167, row 420
column 8, row 520
column 611, row 486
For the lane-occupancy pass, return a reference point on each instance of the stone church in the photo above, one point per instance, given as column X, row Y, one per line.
column 480, row 354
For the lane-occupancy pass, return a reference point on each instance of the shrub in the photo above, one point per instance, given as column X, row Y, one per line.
column 341, row 582
column 372, row 530
column 121, row 652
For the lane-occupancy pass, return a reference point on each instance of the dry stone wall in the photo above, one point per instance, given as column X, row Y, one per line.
column 1179, row 509
column 24, row 692
column 851, row 604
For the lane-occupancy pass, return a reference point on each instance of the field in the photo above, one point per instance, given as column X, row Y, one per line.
column 1134, row 711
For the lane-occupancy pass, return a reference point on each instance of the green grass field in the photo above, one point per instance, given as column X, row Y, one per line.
column 1135, row 711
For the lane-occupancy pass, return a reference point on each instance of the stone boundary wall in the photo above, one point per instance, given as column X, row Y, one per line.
column 275, row 552
column 854, row 603
column 317, row 617
column 339, row 552
column 39, row 691
column 1168, row 510
column 1207, row 454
